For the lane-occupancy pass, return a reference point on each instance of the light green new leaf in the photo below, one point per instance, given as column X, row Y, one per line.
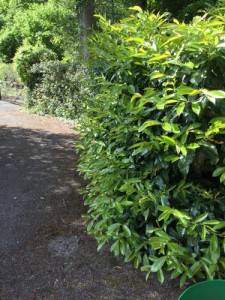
column 180, row 108
column 168, row 140
column 171, row 40
column 136, row 8
column 215, row 93
column 185, row 90
column 196, row 107
column 135, row 39
column 156, row 75
column 193, row 146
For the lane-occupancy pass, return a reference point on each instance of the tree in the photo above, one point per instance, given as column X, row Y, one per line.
column 50, row 24
column 182, row 9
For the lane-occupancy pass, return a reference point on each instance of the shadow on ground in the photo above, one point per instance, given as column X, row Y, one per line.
column 40, row 206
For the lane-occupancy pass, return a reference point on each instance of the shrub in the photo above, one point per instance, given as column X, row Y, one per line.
column 26, row 57
column 61, row 90
column 152, row 144
column 7, row 73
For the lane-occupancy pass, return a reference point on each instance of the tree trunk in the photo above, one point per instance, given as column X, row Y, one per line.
column 88, row 19
column 88, row 22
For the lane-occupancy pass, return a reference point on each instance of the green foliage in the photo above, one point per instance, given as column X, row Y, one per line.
column 152, row 144
column 194, row 8
column 50, row 24
column 26, row 57
column 7, row 73
column 182, row 9
column 9, row 42
column 61, row 89
column 114, row 10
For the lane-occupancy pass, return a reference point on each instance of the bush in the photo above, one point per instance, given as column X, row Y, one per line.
column 26, row 57
column 7, row 73
column 61, row 90
column 152, row 144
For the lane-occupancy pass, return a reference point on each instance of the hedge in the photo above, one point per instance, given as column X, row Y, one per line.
column 152, row 144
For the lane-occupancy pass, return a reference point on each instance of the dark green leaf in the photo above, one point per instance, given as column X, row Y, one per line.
column 148, row 124
column 201, row 218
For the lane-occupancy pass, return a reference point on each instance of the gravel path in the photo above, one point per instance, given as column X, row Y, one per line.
column 45, row 252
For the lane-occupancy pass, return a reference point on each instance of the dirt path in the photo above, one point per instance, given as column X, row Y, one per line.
column 45, row 252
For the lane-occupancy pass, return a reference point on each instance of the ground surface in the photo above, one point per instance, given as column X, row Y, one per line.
column 45, row 252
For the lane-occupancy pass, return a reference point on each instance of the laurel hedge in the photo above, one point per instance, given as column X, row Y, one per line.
column 152, row 144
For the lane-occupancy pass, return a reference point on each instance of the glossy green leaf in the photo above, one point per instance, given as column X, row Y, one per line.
column 180, row 108
column 218, row 171
column 158, row 264
column 201, row 218
column 222, row 177
column 136, row 8
column 115, row 248
column 214, row 248
column 204, row 233
column 215, row 93
column 168, row 140
column 148, row 124
column 160, row 276
column 193, row 146
column 172, row 158
column 183, row 280
column 185, row 90
column 157, row 75
column 196, row 107
column 219, row 226
column 127, row 230
column 113, row 227
column 194, row 126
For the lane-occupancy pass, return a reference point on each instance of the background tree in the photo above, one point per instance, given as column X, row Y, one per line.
column 182, row 9
column 48, row 23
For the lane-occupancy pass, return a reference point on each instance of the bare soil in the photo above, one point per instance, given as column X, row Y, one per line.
column 45, row 252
